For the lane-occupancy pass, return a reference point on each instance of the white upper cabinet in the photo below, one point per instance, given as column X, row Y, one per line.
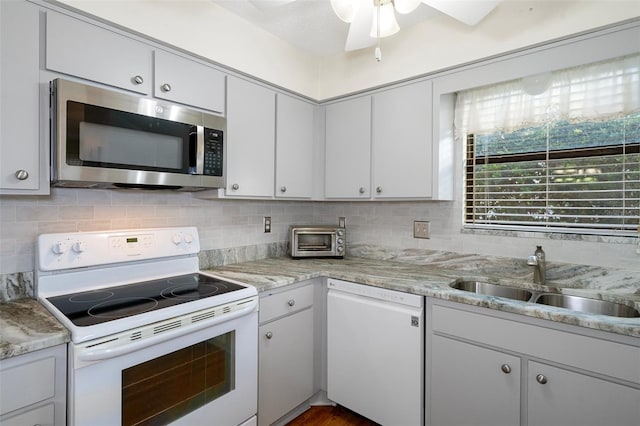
column 294, row 147
column 188, row 82
column 94, row 53
column 402, row 142
column 348, row 149
column 250, row 139
column 22, row 164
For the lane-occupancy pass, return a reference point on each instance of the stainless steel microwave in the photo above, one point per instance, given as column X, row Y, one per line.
column 317, row 241
column 107, row 139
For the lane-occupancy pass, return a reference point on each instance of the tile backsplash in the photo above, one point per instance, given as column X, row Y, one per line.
column 232, row 224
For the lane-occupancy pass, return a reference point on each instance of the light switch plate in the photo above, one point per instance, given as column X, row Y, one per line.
column 421, row 229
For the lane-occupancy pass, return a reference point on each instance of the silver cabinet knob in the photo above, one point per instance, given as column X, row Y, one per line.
column 506, row 369
column 361, row 190
column 235, row 186
column 166, row 87
column 268, row 335
column 379, row 189
column 22, row 175
column 138, row 79
column 291, row 302
column 283, row 189
column 541, row 378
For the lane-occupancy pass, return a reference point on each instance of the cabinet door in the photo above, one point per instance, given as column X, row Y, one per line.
column 87, row 51
column 348, row 149
column 469, row 385
column 285, row 374
column 188, row 82
column 567, row 398
column 294, row 148
column 19, row 103
column 402, row 148
column 250, row 139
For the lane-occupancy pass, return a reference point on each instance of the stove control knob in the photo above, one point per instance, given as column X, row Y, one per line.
column 188, row 238
column 78, row 246
column 59, row 248
column 177, row 239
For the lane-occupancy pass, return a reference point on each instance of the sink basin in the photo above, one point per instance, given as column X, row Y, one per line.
column 584, row 304
column 480, row 287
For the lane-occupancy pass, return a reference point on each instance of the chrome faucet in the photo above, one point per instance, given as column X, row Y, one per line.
column 538, row 262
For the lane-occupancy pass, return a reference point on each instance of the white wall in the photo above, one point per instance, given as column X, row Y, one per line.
column 204, row 28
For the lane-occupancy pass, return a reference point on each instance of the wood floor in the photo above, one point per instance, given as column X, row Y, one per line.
column 327, row 415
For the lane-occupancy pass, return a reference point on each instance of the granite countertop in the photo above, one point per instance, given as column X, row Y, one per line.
column 26, row 326
column 430, row 275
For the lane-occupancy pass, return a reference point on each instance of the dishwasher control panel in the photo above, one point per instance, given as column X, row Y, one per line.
column 376, row 292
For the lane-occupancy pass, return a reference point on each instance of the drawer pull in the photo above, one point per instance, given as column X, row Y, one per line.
column 291, row 302
column 506, row 369
column 268, row 335
column 541, row 378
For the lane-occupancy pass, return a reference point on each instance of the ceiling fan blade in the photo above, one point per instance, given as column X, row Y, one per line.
column 468, row 11
column 358, row 37
column 268, row 4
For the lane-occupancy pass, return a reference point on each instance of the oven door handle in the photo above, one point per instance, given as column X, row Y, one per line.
column 112, row 349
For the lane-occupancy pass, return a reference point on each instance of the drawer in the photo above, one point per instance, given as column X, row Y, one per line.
column 588, row 353
column 38, row 376
column 44, row 415
column 274, row 305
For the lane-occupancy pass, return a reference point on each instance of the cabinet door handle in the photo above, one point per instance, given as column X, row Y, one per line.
column 166, row 87
column 235, row 186
column 138, row 79
column 283, row 189
column 268, row 335
column 291, row 302
column 506, row 369
column 361, row 190
column 541, row 378
column 379, row 189
column 22, row 174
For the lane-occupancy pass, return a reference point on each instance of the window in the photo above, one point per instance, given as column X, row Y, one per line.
column 557, row 152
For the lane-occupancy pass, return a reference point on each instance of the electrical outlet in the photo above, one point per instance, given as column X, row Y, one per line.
column 342, row 221
column 421, row 229
column 266, row 221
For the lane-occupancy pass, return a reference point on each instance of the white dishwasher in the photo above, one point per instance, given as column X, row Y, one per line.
column 375, row 352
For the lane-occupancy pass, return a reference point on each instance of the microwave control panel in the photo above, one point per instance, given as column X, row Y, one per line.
column 213, row 152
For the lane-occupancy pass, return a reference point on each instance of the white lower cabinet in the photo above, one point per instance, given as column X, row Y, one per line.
column 560, row 397
column 490, row 368
column 286, row 352
column 471, row 385
column 33, row 388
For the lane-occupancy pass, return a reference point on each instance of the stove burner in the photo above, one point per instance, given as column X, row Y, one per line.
column 118, row 308
column 91, row 296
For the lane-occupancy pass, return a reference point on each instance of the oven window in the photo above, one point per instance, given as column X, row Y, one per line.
column 164, row 389
column 314, row 242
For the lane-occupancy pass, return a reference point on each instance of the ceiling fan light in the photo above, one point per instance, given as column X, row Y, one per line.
column 406, row 6
column 345, row 9
column 388, row 24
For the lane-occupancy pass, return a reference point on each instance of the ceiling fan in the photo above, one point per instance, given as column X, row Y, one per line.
column 363, row 15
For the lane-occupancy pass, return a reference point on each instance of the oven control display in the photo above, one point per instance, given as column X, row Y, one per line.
column 131, row 245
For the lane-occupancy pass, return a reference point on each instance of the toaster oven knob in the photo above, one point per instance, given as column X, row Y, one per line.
column 138, row 79
column 59, row 248
column 166, row 87
column 340, row 232
column 340, row 249
column 340, row 241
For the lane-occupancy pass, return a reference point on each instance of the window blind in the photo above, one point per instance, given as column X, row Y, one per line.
column 569, row 171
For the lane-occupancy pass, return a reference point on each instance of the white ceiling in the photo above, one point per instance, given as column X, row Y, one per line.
column 310, row 25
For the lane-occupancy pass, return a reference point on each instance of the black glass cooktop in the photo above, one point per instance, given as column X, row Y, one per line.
column 98, row 306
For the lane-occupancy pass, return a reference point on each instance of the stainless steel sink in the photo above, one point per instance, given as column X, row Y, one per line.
column 480, row 287
column 584, row 304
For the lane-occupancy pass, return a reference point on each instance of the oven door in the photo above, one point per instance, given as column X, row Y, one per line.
column 191, row 378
